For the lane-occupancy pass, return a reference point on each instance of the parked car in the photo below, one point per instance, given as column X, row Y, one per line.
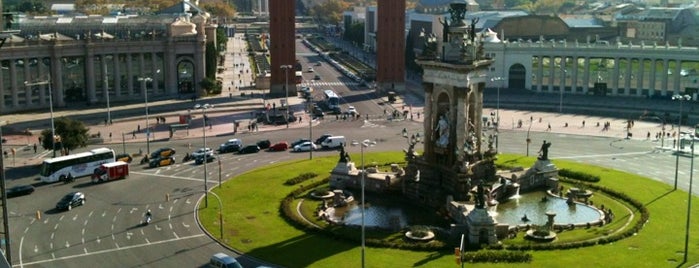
column 20, row 190
column 322, row 138
column 279, row 146
column 264, row 144
column 232, row 145
column 249, row 149
column 221, row 260
column 318, row 63
column 71, row 200
column 310, row 69
column 124, row 157
column 159, row 162
column 162, row 153
column 201, row 151
column 200, row 159
column 318, row 112
column 305, row 147
column 316, row 77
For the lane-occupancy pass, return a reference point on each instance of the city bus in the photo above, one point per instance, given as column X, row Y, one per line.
column 77, row 165
column 332, row 101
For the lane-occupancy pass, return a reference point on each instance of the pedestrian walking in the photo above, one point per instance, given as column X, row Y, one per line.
column 133, row 134
column 34, row 147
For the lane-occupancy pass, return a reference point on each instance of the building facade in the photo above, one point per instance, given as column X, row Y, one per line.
column 86, row 60
column 390, row 56
column 282, row 33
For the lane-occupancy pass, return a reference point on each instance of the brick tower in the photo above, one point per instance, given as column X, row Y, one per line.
column 282, row 46
column 390, row 46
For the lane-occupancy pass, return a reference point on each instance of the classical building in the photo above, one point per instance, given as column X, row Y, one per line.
column 93, row 59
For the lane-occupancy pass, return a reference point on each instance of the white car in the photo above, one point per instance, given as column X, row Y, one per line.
column 305, row 147
column 351, row 110
column 201, row 151
column 310, row 69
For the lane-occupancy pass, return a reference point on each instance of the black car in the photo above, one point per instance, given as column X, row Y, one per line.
column 162, row 153
column 264, row 144
column 249, row 149
column 200, row 159
column 297, row 142
column 322, row 138
column 71, row 200
column 20, row 190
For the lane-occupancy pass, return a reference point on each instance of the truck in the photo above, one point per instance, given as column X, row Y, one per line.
column 111, row 171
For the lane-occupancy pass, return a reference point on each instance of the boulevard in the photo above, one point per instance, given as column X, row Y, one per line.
column 107, row 229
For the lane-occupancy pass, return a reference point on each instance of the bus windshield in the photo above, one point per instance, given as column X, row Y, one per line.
column 77, row 165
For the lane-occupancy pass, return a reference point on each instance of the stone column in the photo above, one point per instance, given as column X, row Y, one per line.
column 2, row 86
column 615, row 77
column 574, row 79
column 627, row 76
column 90, row 76
column 43, row 89
column 57, row 80
column 156, row 76
column 540, row 75
column 677, row 76
column 427, row 119
column 552, row 75
column 641, row 71
column 663, row 80
column 129, row 75
column 30, row 78
column 653, row 71
column 13, row 84
column 586, row 76
column 117, row 75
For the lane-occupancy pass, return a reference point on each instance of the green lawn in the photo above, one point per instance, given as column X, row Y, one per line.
column 252, row 223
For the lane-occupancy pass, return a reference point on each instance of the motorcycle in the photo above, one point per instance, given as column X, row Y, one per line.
column 69, row 179
column 147, row 220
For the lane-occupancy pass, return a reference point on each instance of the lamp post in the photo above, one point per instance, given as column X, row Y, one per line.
column 497, row 109
column 365, row 143
column 220, row 212
column 206, row 156
column 53, row 127
column 689, row 203
column 286, row 91
column 681, row 98
column 145, row 94
column 106, row 89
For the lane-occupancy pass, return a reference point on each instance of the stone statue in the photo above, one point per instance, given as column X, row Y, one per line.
column 473, row 29
column 480, row 196
column 445, row 30
column 544, row 151
column 443, row 131
column 457, row 12
column 344, row 157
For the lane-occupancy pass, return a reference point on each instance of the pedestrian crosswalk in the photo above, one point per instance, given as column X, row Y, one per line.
column 324, row 83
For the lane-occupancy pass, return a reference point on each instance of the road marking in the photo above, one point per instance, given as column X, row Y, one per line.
column 55, row 226
column 114, row 218
column 147, row 242
column 185, row 225
column 53, row 256
column 83, row 240
column 75, row 218
column 52, row 234
column 128, row 235
column 175, row 235
column 117, row 245
column 112, row 250
column 61, row 218
column 98, row 240
column 85, row 223
column 167, row 176
column 51, row 245
column 104, row 213
column 170, row 225
column 83, row 231
column 85, row 250
column 26, row 229
column 113, row 238
column 67, row 244
column 157, row 228
column 602, row 155
column 90, row 215
column 112, row 227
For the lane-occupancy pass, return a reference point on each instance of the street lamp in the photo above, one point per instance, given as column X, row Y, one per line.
column 286, row 91
column 365, row 143
column 53, row 127
column 497, row 109
column 206, row 156
column 220, row 211
column 689, row 203
column 145, row 94
column 681, row 98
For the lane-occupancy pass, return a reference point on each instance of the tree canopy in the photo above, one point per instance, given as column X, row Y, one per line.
column 73, row 134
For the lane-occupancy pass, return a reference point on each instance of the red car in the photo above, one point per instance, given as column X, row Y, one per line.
column 279, row 146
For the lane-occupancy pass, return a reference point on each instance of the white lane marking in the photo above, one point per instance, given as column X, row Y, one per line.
column 175, row 201
column 128, row 235
column 52, row 234
column 85, row 249
column 175, row 235
column 142, row 232
column 132, row 210
column 53, row 256
column 157, row 228
column 113, row 249
column 90, row 215
column 187, row 201
column 36, row 248
column 85, row 223
column 83, row 231
column 148, row 242
column 167, row 176
column 55, row 226
column 114, row 218
column 112, row 227
column 75, row 218
column 170, row 225
column 26, row 229
column 98, row 240
column 113, row 238
column 602, row 155
column 61, row 218
column 21, row 241
column 104, row 213
column 32, row 221
column 51, row 245
column 117, row 245
column 67, row 244
column 185, row 225
column 83, row 240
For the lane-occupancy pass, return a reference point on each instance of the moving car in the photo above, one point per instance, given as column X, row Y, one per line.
column 310, row 69
column 201, row 151
column 162, row 153
column 124, row 157
column 200, row 159
column 71, row 200
column 221, row 260
column 249, row 149
column 264, row 144
column 279, row 146
column 111, row 171
column 317, row 77
column 159, row 162
column 334, row 142
column 20, row 190
column 318, row 112
column 351, row 110
column 297, row 142
column 305, row 147
column 232, row 145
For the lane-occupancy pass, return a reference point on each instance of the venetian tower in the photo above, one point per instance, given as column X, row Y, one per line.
column 454, row 158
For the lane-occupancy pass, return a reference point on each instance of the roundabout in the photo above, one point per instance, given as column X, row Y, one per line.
column 274, row 230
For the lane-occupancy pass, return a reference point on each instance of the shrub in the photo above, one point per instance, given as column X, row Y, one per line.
column 300, row 178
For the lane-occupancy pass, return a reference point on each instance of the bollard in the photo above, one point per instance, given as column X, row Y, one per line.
column 167, row 197
column 38, row 215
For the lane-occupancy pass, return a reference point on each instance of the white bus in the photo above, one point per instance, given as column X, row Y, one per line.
column 77, row 165
column 331, row 100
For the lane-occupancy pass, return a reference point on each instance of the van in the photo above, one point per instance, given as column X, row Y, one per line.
column 333, row 142
column 221, row 260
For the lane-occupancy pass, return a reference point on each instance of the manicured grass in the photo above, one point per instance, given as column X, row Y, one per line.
column 252, row 223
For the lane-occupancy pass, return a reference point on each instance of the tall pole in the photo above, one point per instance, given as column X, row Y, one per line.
column 106, row 85
column 689, row 204
column 123, row 142
column 286, row 91
column 5, row 216
column 363, row 206
column 206, row 156
column 219, row 173
column 497, row 111
column 681, row 98
column 145, row 95
column 53, row 126
column 310, row 126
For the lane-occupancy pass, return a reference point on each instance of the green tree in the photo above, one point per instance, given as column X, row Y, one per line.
column 218, row 8
column 211, row 85
column 33, row 7
column 73, row 134
column 355, row 33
